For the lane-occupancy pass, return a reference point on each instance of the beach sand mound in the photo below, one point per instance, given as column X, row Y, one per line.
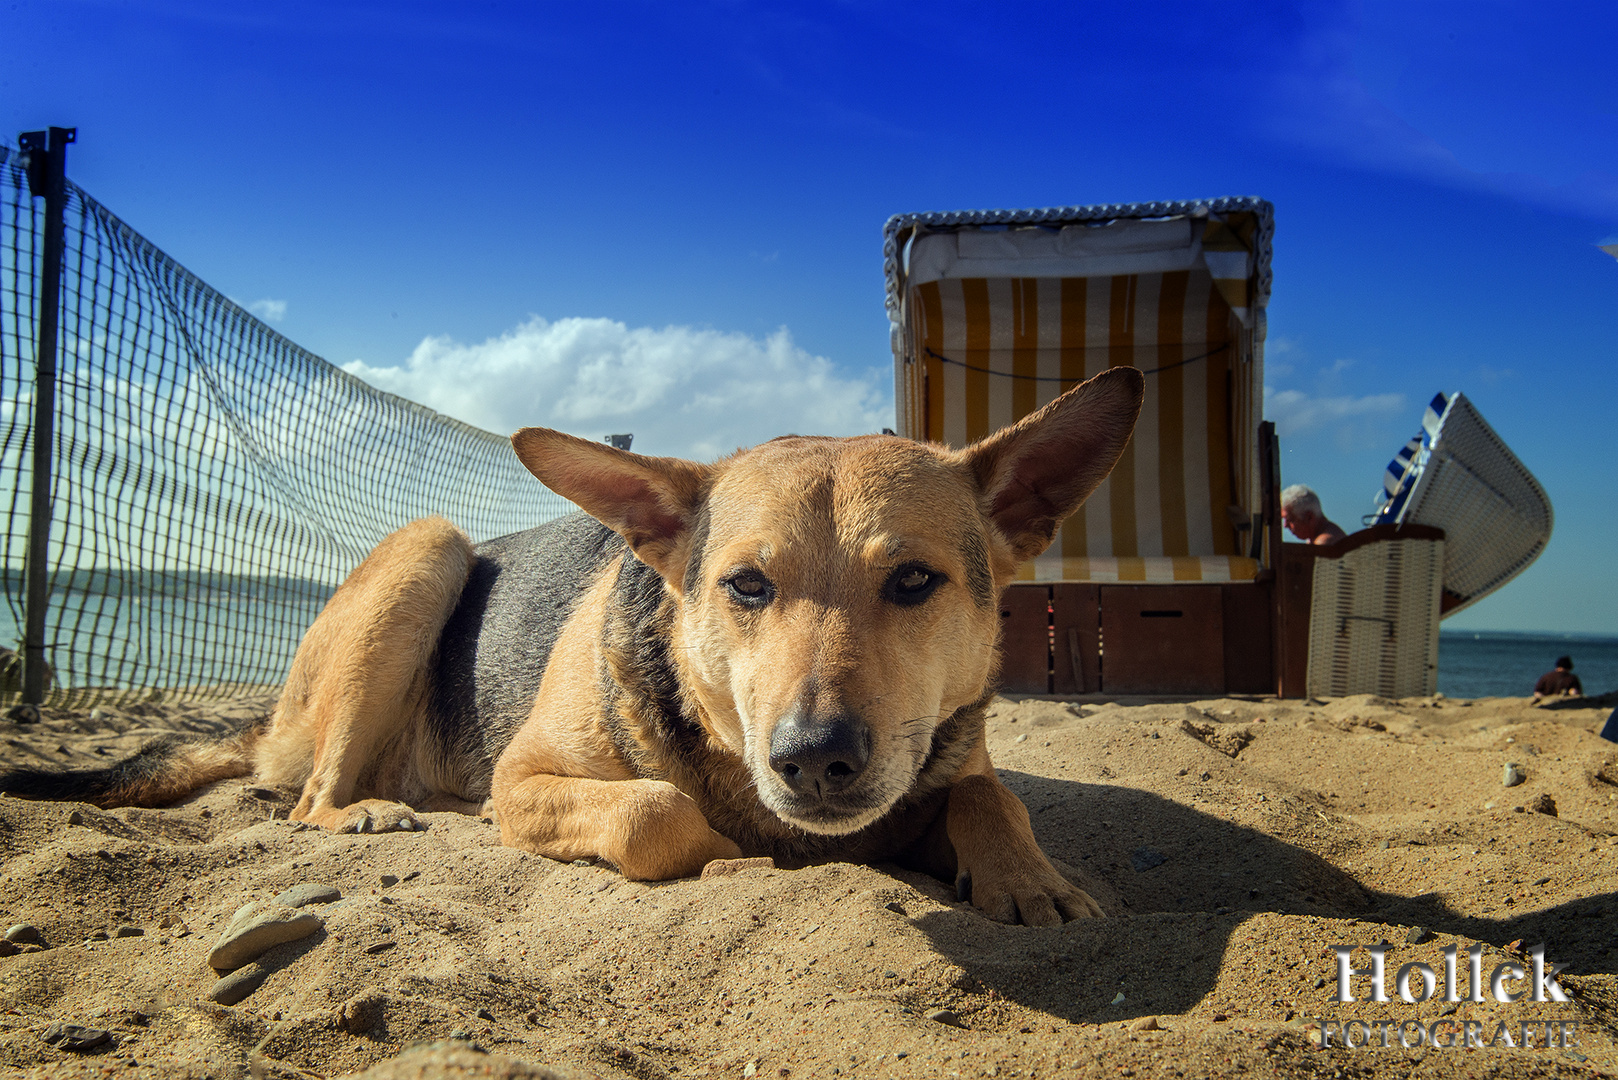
column 1233, row 843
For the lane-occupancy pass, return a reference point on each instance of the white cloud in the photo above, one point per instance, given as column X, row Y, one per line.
column 269, row 310
column 1352, row 421
column 679, row 390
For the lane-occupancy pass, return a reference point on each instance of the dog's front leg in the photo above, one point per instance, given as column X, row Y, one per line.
column 649, row 829
column 997, row 857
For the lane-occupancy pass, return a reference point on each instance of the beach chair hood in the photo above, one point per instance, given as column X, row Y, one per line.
column 994, row 313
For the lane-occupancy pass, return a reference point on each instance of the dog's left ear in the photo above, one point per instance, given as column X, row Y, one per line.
column 650, row 501
column 1039, row 470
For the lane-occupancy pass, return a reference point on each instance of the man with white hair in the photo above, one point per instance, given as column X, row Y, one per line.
column 1302, row 515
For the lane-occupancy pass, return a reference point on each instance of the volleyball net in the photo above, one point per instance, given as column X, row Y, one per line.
column 213, row 482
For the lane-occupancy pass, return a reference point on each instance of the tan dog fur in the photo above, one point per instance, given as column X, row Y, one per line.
column 835, row 528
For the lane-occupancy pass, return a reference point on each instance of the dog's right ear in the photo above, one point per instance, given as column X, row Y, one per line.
column 650, row 501
column 1036, row 472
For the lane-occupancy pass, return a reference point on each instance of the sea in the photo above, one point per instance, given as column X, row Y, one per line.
column 1501, row 663
column 245, row 632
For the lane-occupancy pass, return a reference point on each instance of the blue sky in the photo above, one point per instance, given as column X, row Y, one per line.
column 665, row 218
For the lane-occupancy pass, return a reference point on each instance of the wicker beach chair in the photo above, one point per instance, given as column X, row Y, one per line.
column 1159, row 584
column 1464, row 479
column 1374, row 611
column 1458, row 517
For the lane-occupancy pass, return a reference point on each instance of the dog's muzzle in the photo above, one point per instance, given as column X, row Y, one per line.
column 818, row 759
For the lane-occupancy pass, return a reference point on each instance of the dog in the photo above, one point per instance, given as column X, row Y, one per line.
column 785, row 653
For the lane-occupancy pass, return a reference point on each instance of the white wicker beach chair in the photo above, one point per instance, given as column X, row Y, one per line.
column 1373, row 621
column 1495, row 516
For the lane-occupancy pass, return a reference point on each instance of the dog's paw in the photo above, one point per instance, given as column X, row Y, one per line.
column 1031, row 896
column 660, row 834
column 369, row 816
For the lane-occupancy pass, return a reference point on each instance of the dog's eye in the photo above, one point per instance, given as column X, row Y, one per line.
column 750, row 588
column 912, row 584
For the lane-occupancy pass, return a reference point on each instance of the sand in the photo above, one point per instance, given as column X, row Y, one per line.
column 1233, row 843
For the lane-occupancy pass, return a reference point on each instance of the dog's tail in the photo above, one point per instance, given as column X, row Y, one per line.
column 162, row 771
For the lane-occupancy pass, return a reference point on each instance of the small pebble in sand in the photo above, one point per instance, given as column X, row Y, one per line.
column 1543, row 804
column 1512, row 775
column 310, row 892
column 255, row 929
column 129, row 931
column 1147, row 1023
column 238, row 984
column 944, row 1016
column 75, row 818
column 1119, row 999
column 76, row 1037
column 25, row 934
column 1418, row 935
column 727, row 867
column 389, row 880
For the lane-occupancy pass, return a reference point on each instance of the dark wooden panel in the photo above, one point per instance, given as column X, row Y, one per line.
column 1025, row 639
column 1162, row 639
column 1249, row 652
column 1076, row 623
column 1295, row 584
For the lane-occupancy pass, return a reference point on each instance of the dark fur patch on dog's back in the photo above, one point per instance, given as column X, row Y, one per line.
column 492, row 652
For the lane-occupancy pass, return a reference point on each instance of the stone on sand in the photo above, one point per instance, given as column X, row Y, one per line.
column 727, row 867
column 76, row 1037
column 310, row 892
column 255, row 929
column 238, row 984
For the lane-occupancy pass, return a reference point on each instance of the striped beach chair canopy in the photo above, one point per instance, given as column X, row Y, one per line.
column 995, row 313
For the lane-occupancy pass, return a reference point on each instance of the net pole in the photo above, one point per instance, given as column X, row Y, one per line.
column 47, row 170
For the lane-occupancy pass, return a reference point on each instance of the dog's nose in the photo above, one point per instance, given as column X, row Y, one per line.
column 820, row 757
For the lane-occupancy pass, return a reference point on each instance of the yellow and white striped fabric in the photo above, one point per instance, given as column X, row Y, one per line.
column 1159, row 570
column 989, row 350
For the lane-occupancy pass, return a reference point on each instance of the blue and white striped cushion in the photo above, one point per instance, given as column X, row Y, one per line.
column 1400, row 476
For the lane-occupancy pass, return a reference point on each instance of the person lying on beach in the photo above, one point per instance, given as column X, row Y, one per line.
column 1561, row 680
column 1302, row 515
